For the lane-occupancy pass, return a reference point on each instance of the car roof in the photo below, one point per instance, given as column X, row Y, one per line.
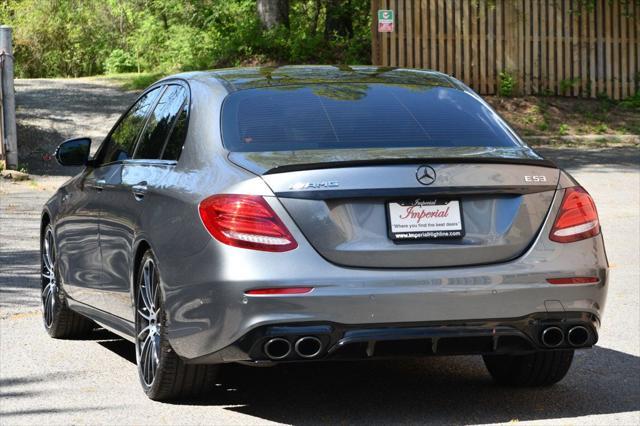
column 259, row 77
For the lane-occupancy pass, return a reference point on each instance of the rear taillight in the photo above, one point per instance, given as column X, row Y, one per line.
column 577, row 218
column 245, row 221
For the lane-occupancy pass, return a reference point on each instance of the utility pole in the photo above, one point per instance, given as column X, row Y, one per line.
column 9, row 131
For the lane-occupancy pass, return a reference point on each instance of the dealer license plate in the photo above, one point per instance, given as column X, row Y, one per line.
column 425, row 219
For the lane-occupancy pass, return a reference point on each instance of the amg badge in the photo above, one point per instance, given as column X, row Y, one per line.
column 314, row 185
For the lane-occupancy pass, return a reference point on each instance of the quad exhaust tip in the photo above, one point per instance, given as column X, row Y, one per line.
column 578, row 336
column 552, row 337
column 277, row 348
column 308, row 347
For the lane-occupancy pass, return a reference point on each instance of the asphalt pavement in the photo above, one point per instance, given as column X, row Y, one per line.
column 94, row 381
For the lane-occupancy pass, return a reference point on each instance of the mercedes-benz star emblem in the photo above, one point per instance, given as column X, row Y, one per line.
column 426, row 175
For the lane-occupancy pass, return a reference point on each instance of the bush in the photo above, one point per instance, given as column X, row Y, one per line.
column 632, row 102
column 119, row 61
column 507, row 84
column 567, row 85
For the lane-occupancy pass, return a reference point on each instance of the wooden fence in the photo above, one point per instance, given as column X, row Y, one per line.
column 563, row 47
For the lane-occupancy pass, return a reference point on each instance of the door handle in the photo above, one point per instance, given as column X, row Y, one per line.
column 98, row 184
column 139, row 190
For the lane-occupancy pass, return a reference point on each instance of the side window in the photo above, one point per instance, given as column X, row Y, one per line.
column 176, row 140
column 119, row 145
column 160, row 123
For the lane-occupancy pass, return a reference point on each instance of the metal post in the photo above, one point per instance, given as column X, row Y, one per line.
column 3, row 155
column 8, row 98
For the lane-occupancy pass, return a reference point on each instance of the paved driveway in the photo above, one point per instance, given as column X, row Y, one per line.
column 49, row 111
column 45, row 381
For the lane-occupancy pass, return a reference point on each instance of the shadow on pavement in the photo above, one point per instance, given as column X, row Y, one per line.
column 116, row 344
column 437, row 389
column 10, row 389
column 19, row 279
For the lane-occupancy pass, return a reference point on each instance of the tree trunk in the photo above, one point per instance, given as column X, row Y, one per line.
column 273, row 13
column 315, row 16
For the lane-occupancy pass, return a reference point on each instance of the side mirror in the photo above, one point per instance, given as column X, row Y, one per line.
column 73, row 152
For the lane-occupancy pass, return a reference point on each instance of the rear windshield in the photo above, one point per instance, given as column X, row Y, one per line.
column 348, row 116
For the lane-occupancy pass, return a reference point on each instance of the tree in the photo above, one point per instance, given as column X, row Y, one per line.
column 339, row 21
column 85, row 37
column 273, row 13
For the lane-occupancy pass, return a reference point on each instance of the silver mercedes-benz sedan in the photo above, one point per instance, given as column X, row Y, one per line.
column 301, row 214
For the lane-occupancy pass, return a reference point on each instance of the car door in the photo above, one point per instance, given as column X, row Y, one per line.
column 77, row 233
column 125, row 197
column 91, row 285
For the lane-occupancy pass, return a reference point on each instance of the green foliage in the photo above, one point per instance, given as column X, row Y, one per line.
column 53, row 38
column 568, row 84
column 507, row 84
column 88, row 37
column 135, row 81
column 23, row 168
column 632, row 102
column 546, row 92
column 563, row 130
column 143, row 80
column 119, row 61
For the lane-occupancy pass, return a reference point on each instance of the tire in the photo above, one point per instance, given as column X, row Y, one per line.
column 163, row 375
column 59, row 321
column 537, row 369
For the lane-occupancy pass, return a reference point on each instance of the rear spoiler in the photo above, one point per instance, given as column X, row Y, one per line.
column 378, row 162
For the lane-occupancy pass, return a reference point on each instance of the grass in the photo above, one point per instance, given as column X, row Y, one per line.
column 134, row 81
column 632, row 102
column 601, row 128
column 551, row 116
column 563, row 130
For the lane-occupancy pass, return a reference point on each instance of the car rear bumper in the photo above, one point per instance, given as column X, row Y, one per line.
column 208, row 316
column 340, row 341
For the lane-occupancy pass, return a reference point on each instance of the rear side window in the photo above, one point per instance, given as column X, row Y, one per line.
column 177, row 137
column 161, row 122
column 119, row 145
column 358, row 115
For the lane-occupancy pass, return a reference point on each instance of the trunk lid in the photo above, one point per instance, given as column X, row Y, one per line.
column 339, row 201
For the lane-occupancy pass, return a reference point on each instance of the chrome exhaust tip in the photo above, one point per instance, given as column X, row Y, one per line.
column 308, row 347
column 578, row 336
column 552, row 337
column 277, row 348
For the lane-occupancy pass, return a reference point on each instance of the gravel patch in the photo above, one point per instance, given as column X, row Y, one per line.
column 49, row 111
